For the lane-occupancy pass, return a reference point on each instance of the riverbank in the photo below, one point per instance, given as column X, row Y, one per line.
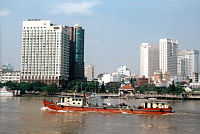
column 127, row 96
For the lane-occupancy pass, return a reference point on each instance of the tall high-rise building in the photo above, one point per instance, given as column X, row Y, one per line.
column 168, row 56
column 188, row 63
column 76, row 70
column 90, row 72
column 149, row 59
column 45, row 52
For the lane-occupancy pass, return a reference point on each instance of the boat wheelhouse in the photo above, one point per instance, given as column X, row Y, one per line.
column 69, row 101
column 154, row 104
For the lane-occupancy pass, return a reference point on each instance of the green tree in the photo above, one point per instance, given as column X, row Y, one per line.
column 12, row 85
column 48, row 89
column 172, row 87
column 179, row 88
column 1, row 85
column 145, row 88
column 71, row 84
column 24, row 86
column 84, row 86
column 37, row 86
column 53, row 85
column 161, row 90
column 93, row 86
column 102, row 90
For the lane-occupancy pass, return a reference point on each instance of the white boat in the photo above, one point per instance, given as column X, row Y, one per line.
column 4, row 92
column 95, row 95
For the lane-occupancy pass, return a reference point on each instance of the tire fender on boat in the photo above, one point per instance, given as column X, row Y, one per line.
column 62, row 106
column 82, row 106
column 161, row 110
column 131, row 109
column 104, row 108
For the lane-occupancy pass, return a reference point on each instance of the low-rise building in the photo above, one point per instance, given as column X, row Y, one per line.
column 142, row 81
column 127, row 89
column 123, row 72
column 195, row 80
column 13, row 76
column 106, row 78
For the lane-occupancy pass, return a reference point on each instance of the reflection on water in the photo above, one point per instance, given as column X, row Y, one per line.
column 61, row 122
column 27, row 115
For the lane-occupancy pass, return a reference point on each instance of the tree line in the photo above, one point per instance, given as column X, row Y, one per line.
column 73, row 86
column 90, row 86
column 174, row 88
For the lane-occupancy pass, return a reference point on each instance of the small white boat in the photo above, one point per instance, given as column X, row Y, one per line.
column 95, row 95
column 4, row 92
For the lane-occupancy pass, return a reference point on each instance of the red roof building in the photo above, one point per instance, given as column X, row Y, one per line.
column 126, row 89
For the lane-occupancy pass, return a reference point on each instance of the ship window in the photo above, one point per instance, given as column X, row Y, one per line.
column 73, row 102
column 79, row 99
column 78, row 103
column 72, row 99
column 145, row 105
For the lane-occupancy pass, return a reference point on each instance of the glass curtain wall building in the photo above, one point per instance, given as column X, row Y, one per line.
column 77, row 53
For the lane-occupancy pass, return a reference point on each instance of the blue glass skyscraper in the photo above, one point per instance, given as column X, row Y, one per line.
column 76, row 69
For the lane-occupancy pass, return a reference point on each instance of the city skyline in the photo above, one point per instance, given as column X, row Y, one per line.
column 114, row 31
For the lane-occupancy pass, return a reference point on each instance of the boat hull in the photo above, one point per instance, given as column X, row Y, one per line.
column 6, row 94
column 149, row 111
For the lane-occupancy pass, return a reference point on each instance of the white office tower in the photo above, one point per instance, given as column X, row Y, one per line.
column 90, row 72
column 188, row 63
column 168, row 56
column 149, row 59
column 45, row 52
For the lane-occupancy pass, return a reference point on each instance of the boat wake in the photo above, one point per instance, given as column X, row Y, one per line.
column 169, row 114
column 46, row 108
column 125, row 113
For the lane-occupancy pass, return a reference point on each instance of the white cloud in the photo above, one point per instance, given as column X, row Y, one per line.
column 4, row 12
column 75, row 8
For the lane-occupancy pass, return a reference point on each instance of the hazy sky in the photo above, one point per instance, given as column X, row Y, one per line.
column 114, row 29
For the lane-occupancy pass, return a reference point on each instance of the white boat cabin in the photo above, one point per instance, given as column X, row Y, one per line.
column 69, row 101
column 5, row 92
column 154, row 104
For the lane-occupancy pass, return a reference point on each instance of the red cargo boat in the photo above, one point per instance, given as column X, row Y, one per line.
column 67, row 103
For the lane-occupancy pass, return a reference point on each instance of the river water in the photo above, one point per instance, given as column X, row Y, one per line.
column 26, row 115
